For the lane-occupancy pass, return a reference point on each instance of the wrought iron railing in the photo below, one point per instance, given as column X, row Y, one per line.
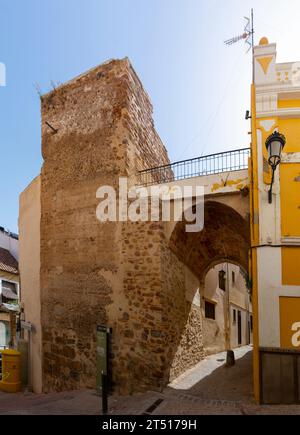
column 207, row 165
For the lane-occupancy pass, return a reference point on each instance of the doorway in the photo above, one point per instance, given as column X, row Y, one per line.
column 239, row 328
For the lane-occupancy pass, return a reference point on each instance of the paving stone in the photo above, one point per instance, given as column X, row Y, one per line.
column 201, row 398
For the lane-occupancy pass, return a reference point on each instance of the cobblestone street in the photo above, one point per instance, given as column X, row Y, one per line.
column 207, row 389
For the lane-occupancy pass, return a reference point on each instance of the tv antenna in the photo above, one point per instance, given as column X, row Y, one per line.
column 247, row 36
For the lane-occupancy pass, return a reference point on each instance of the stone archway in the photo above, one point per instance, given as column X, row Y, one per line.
column 225, row 237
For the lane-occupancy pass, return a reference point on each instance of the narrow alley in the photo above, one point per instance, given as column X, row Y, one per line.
column 207, row 389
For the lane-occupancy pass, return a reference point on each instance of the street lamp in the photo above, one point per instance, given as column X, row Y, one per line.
column 274, row 144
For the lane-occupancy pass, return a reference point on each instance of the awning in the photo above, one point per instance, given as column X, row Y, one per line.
column 9, row 294
column 9, row 308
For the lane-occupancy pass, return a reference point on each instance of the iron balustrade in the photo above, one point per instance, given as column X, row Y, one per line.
column 229, row 161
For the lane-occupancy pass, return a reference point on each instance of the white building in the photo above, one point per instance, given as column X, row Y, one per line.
column 9, row 286
column 227, row 309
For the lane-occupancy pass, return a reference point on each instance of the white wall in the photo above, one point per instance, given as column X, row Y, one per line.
column 214, row 330
column 245, row 328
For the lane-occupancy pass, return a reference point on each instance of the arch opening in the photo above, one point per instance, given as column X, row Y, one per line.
column 226, row 309
column 225, row 239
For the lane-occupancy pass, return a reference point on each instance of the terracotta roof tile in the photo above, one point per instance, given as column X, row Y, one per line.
column 7, row 262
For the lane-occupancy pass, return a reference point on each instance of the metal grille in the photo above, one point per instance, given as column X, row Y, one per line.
column 207, row 165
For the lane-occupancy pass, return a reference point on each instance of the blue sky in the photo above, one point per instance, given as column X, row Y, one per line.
column 199, row 87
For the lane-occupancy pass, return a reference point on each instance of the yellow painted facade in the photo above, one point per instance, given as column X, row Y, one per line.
column 290, row 323
column 275, row 228
column 238, row 184
column 290, row 199
column 265, row 63
column 291, row 128
column 287, row 104
column 291, row 266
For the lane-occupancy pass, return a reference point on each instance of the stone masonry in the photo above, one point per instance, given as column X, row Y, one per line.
column 123, row 275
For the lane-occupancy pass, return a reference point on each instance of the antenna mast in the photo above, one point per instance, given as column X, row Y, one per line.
column 252, row 33
column 248, row 37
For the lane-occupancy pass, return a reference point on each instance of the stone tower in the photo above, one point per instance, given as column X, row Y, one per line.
column 96, row 129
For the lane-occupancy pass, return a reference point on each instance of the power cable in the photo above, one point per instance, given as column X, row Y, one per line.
column 214, row 114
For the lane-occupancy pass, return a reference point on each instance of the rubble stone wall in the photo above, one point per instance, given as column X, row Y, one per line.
column 96, row 129
column 102, row 273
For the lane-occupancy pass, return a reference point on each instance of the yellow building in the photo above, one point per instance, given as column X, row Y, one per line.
column 275, row 260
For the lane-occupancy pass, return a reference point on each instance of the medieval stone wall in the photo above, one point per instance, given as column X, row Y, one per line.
column 182, row 317
column 96, row 129
column 138, row 337
column 158, row 330
column 75, row 250
column 91, row 272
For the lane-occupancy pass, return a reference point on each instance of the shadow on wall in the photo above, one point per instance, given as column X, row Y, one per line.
column 226, row 237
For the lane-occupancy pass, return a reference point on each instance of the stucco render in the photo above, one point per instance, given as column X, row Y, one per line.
column 214, row 331
column 29, row 264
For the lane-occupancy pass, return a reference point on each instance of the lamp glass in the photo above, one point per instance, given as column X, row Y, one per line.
column 274, row 144
column 275, row 148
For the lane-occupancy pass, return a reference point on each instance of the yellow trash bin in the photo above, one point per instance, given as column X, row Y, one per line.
column 11, row 372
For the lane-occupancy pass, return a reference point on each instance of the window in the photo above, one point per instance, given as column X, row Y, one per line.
column 222, row 280
column 234, row 316
column 251, row 323
column 233, row 278
column 210, row 310
column 4, row 334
